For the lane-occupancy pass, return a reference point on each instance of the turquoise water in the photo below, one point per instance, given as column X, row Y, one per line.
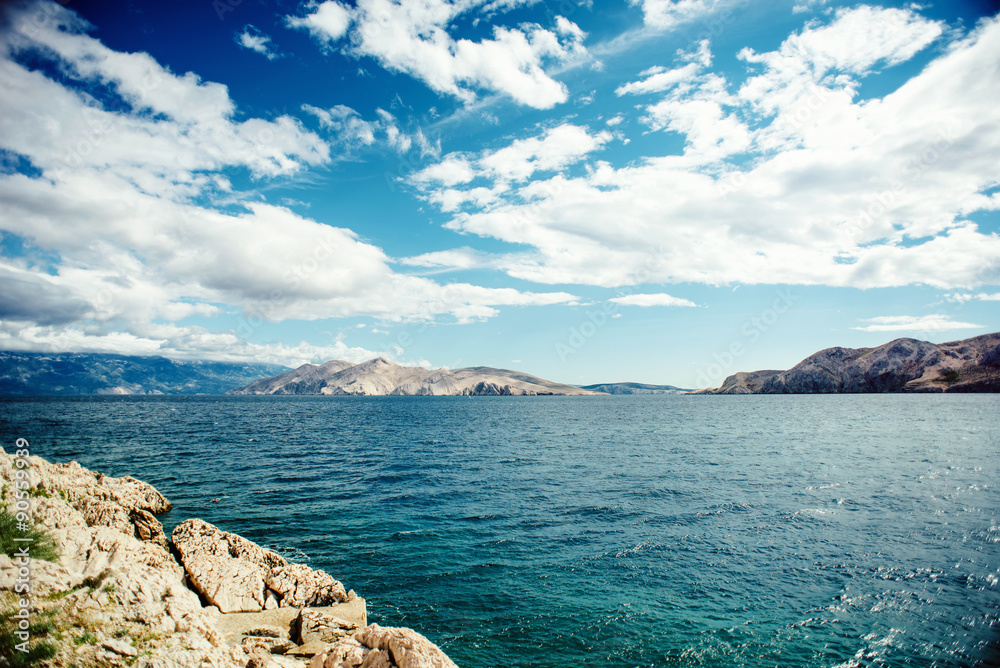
column 597, row 531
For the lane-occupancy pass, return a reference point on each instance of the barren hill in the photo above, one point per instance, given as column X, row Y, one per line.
column 902, row 365
column 379, row 376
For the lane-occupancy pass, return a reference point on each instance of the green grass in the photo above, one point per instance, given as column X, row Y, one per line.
column 86, row 638
column 38, row 650
column 41, row 546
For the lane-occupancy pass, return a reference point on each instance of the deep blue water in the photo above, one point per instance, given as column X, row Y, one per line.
column 597, row 531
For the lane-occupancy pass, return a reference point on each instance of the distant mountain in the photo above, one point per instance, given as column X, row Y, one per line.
column 903, row 365
column 24, row 373
column 634, row 388
column 379, row 376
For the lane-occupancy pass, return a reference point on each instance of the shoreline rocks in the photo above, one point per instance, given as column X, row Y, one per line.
column 123, row 594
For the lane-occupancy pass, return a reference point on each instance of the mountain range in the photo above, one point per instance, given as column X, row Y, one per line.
column 902, row 365
column 27, row 373
column 379, row 376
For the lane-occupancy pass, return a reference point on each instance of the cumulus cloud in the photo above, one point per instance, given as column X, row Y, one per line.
column 552, row 151
column 666, row 14
column 412, row 37
column 907, row 323
column 118, row 207
column 326, row 22
column 785, row 178
column 647, row 300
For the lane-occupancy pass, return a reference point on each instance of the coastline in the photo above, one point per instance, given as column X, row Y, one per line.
column 122, row 593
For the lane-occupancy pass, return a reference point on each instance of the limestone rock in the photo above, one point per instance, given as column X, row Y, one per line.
column 120, row 647
column 385, row 647
column 259, row 657
column 270, row 645
column 309, row 649
column 270, row 601
column 147, row 527
column 313, row 626
column 301, row 586
column 135, row 586
column 267, row 631
column 102, row 512
column 228, row 570
column 135, row 494
column 407, row 648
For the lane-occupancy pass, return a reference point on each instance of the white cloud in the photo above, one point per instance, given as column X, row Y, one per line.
column 788, row 180
column 349, row 131
column 180, row 343
column 906, row 323
column 328, row 21
column 125, row 252
column 963, row 298
column 658, row 79
column 413, row 37
column 458, row 258
column 666, row 14
column 252, row 38
column 647, row 300
column 858, row 40
column 554, row 150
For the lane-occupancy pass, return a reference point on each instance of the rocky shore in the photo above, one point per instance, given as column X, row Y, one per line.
column 122, row 593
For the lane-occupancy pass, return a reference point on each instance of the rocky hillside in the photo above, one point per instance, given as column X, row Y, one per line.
column 381, row 377
column 903, row 365
column 23, row 373
column 116, row 591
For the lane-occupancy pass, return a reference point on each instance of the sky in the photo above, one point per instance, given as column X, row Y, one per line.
column 657, row 191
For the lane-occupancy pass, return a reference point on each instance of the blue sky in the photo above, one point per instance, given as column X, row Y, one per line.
column 645, row 190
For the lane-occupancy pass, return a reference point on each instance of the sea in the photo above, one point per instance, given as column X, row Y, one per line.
column 620, row 531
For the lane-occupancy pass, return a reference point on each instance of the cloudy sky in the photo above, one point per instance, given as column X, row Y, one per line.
column 662, row 191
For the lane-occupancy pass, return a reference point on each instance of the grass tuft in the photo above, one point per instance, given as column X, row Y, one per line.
column 40, row 547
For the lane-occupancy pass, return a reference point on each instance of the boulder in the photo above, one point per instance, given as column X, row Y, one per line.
column 309, row 649
column 259, row 657
column 134, row 494
column 148, row 528
column 227, row 569
column 105, row 513
column 268, row 644
column 300, row 586
column 313, row 625
column 237, row 575
column 383, row 647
